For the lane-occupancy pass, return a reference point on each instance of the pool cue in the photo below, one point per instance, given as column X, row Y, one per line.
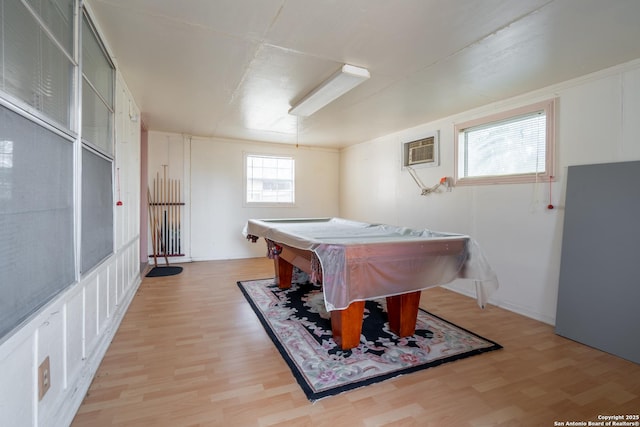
column 179, row 208
column 168, row 215
column 164, row 230
column 156, row 207
column 171, row 218
column 152, row 227
column 164, row 206
column 157, row 236
column 163, row 246
column 163, row 221
column 169, row 197
column 156, row 199
column 175, row 214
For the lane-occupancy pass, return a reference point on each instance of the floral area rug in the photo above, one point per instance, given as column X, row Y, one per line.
column 300, row 328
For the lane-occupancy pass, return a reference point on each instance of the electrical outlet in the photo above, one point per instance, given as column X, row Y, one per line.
column 44, row 378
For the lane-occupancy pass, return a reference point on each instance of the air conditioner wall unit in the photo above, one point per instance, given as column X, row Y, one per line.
column 422, row 151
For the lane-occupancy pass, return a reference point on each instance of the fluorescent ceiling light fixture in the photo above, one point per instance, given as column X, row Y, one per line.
column 341, row 82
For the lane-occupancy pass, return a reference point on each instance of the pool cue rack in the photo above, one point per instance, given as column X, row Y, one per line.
column 165, row 213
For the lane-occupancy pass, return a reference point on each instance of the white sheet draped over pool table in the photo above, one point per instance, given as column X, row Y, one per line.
column 377, row 276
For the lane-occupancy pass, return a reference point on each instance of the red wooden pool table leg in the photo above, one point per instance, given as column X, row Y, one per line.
column 346, row 325
column 284, row 272
column 403, row 313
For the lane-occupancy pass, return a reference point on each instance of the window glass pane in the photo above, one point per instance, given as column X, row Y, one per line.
column 36, row 217
column 21, row 35
column 515, row 146
column 96, row 120
column 34, row 69
column 97, row 209
column 58, row 17
column 95, row 66
column 270, row 179
column 56, row 86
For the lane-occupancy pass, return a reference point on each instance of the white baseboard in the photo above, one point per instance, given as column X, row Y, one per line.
column 77, row 391
column 515, row 308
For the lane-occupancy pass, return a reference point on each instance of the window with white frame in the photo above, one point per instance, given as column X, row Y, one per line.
column 37, row 62
column 38, row 127
column 98, row 82
column 269, row 179
column 510, row 147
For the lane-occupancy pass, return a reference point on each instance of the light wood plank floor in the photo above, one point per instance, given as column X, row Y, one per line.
column 190, row 351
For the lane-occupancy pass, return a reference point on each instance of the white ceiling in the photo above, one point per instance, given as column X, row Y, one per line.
column 233, row 68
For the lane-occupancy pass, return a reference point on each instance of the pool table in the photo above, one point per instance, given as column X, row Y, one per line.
column 357, row 261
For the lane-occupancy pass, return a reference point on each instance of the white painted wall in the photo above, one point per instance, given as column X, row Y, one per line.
column 211, row 171
column 75, row 329
column 597, row 122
